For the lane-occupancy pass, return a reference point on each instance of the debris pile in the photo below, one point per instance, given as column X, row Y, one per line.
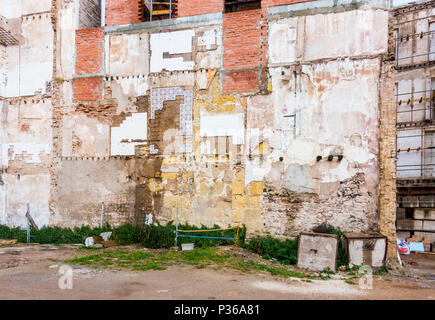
column 101, row 241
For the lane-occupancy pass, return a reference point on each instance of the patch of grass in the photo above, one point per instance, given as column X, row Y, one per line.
column 348, row 281
column 380, row 271
column 198, row 258
column 387, row 279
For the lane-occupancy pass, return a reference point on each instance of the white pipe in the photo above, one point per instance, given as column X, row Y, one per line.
column 103, row 13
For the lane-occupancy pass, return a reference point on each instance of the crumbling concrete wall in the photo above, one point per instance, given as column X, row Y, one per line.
column 251, row 156
column 149, row 115
column 414, row 26
column 30, row 63
column 26, row 131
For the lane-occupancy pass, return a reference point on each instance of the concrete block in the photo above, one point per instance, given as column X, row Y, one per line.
column 187, row 246
column 429, row 215
column 422, row 235
column 426, row 201
column 317, row 251
column 365, row 248
column 426, row 214
column 410, row 202
column 428, row 225
column 418, row 214
column 400, row 213
column 409, row 224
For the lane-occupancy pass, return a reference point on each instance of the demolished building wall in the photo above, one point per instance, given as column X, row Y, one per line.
column 255, row 117
column 25, row 91
column 414, row 34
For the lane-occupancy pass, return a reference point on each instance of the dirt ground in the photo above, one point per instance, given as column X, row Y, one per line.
column 32, row 272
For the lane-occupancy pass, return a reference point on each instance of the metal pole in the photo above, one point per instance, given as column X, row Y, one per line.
column 176, row 226
column 151, row 12
column 102, row 216
column 170, row 9
column 28, row 222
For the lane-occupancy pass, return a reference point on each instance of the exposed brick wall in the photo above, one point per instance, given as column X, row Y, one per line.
column 273, row 3
column 242, row 39
column 240, row 81
column 122, row 12
column 194, row 7
column 86, row 89
column 89, row 57
column 242, row 35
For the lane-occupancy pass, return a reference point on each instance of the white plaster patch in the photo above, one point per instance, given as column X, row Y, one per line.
column 350, row 33
column 127, row 54
column 133, row 127
column 28, row 148
column 33, row 189
column 282, row 43
column 302, row 152
column 224, row 126
column 208, row 39
column 177, row 42
column 256, row 170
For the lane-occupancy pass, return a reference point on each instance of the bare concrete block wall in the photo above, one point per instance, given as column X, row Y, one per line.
column 317, row 251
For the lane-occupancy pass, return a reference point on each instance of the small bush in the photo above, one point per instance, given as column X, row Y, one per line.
column 284, row 251
column 158, row 236
column 153, row 236
column 52, row 235
column 341, row 254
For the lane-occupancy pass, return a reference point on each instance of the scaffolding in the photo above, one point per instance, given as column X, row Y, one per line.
column 422, row 113
column 151, row 10
column 417, row 58
column 240, row 5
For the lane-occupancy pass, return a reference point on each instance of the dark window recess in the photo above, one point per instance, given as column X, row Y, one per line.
column 150, row 10
column 240, row 5
column 90, row 14
column 409, row 213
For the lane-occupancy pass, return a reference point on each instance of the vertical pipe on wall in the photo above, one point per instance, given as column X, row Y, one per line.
column 103, row 13
column 28, row 222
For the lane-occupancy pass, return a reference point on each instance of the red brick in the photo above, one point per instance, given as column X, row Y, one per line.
column 195, row 7
column 242, row 39
column 89, row 57
column 87, row 89
column 122, row 12
column 240, row 81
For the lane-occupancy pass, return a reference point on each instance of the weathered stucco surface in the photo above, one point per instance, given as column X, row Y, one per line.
column 301, row 149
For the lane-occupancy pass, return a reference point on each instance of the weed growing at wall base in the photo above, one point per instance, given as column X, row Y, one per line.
column 152, row 236
column 52, row 235
column 284, row 251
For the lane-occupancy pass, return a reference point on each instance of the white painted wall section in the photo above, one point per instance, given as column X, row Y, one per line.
column 223, row 126
column 133, row 127
column 177, row 42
